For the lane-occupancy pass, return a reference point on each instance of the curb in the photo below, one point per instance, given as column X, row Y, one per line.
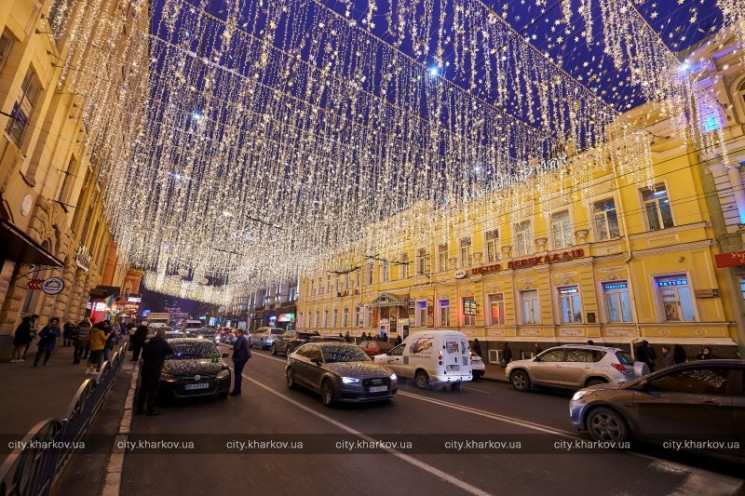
column 113, row 482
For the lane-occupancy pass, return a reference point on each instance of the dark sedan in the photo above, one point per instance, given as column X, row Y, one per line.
column 340, row 372
column 195, row 369
column 699, row 404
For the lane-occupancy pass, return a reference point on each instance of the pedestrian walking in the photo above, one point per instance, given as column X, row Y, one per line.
column 646, row 354
column 137, row 341
column 67, row 332
column 667, row 356
column 82, row 336
column 97, row 345
column 705, row 354
column 476, row 347
column 109, row 345
column 48, row 340
column 154, row 355
column 22, row 338
column 347, row 338
column 241, row 354
column 506, row 354
column 537, row 349
column 33, row 336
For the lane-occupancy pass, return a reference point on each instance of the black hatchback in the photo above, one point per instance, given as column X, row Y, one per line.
column 195, row 369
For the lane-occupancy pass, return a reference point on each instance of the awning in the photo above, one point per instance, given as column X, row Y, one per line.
column 104, row 292
column 390, row 300
column 20, row 247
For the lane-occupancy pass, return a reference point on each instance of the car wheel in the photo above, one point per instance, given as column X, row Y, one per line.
column 290, row 376
column 422, row 379
column 605, row 424
column 520, row 380
column 327, row 393
column 274, row 350
column 594, row 380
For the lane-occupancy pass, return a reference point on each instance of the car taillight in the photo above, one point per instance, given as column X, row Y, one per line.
column 619, row 367
column 440, row 355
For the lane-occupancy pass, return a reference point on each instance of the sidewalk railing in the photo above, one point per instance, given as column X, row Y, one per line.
column 32, row 468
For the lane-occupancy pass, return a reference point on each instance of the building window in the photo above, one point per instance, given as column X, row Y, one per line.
column 561, row 230
column 320, row 285
column 657, row 208
column 345, row 318
column 58, row 17
column 6, row 43
column 335, row 318
column 469, row 312
column 742, row 288
column 328, row 283
column 358, row 316
column 617, row 301
column 444, row 307
column 318, row 319
column 466, row 259
column 442, row 257
column 385, row 271
column 492, row 245
column 420, row 316
column 325, row 318
column 740, row 94
column 369, row 273
column 675, row 295
column 496, row 309
column 571, row 311
column 523, row 239
column 358, row 277
column 67, row 182
column 403, row 266
column 530, row 306
column 606, row 219
column 422, row 265
column 300, row 320
column 23, row 107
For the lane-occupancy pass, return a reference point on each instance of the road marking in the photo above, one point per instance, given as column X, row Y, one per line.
column 471, row 388
column 444, row 476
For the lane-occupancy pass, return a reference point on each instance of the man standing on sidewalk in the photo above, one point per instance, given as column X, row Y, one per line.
column 81, row 341
column 153, row 357
column 241, row 354
column 22, row 337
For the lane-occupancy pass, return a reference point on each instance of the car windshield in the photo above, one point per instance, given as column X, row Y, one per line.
column 195, row 349
column 278, row 331
column 624, row 358
column 193, row 325
column 333, row 354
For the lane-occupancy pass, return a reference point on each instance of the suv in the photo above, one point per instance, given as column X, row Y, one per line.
column 264, row 337
column 574, row 367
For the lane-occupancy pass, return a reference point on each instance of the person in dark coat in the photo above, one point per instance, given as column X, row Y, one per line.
column 154, row 356
column 137, row 341
column 506, row 354
column 67, row 332
column 48, row 340
column 679, row 354
column 82, row 336
column 476, row 347
column 241, row 354
column 23, row 337
column 646, row 354
column 705, row 354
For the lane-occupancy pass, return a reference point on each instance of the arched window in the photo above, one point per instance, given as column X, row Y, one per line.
column 738, row 96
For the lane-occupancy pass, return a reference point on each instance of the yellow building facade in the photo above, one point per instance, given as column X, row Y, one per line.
column 55, row 239
column 611, row 259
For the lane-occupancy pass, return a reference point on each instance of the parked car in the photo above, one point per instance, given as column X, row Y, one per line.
column 284, row 343
column 174, row 334
column 195, row 369
column 574, row 366
column 264, row 337
column 700, row 402
column 374, row 347
column 431, row 357
column 192, row 328
column 477, row 365
column 340, row 372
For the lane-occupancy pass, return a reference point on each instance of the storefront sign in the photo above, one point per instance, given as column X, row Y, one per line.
column 52, row 285
column 460, row 274
column 733, row 259
column 532, row 261
column 707, row 293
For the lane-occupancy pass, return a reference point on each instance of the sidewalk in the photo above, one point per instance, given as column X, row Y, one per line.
column 31, row 394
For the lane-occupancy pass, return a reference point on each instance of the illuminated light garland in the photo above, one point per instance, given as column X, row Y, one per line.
column 252, row 149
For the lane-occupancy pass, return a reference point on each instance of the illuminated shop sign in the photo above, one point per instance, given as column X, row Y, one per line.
column 286, row 317
column 614, row 286
column 663, row 283
column 532, row 261
column 421, row 304
column 444, row 303
column 567, row 291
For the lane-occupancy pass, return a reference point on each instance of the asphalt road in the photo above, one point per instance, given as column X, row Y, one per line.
column 485, row 439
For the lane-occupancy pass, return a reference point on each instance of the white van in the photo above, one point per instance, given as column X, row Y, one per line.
column 431, row 357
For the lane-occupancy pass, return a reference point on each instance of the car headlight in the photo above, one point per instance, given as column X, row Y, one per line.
column 223, row 374
column 393, row 377
column 579, row 395
column 350, row 380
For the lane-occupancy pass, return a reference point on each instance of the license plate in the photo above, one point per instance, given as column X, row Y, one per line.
column 200, row 385
column 378, row 389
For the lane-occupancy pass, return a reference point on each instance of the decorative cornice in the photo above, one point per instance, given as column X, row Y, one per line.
column 675, row 248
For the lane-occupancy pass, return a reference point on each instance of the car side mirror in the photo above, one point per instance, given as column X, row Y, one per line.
column 225, row 355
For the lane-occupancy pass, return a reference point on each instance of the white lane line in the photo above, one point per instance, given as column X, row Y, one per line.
column 471, row 388
column 444, row 476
